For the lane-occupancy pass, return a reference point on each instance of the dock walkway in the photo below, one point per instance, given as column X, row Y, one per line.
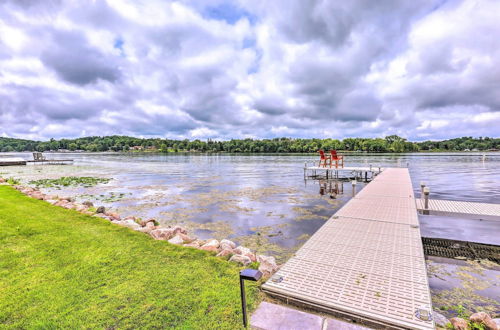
column 366, row 262
column 485, row 211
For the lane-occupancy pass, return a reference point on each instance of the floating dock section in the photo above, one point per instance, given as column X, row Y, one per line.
column 366, row 262
column 12, row 161
column 485, row 211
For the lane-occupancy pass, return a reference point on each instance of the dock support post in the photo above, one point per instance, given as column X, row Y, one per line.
column 426, row 200
column 422, row 186
column 353, row 182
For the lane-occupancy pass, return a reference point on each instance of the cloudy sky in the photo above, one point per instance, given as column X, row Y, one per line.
column 232, row 69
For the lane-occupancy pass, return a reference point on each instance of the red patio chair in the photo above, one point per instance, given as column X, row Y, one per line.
column 338, row 159
column 324, row 160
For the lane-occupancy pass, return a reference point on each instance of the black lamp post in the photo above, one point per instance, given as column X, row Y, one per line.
column 251, row 275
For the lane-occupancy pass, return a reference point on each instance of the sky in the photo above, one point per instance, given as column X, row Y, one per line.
column 426, row 69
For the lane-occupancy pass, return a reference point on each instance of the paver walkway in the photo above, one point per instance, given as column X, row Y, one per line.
column 366, row 261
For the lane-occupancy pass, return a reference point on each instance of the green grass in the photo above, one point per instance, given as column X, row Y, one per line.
column 62, row 269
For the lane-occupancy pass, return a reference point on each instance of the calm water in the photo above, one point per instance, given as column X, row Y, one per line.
column 263, row 201
column 260, row 200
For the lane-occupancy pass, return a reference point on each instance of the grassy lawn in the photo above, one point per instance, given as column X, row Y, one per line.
column 62, row 269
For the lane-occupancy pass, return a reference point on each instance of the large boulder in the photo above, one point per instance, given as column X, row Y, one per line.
column 194, row 244
column 225, row 253
column 88, row 204
column 144, row 222
column 267, row 265
column 128, row 223
column 115, row 216
column 245, row 252
column 177, row 239
column 485, row 319
column 2, row 180
column 439, row 319
column 179, row 229
column 162, row 233
column 459, row 323
column 244, row 260
column 227, row 244
column 211, row 245
column 101, row 209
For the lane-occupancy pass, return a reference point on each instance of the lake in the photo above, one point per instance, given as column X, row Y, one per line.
column 259, row 200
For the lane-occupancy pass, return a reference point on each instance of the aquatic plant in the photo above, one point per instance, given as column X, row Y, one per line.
column 69, row 181
column 13, row 181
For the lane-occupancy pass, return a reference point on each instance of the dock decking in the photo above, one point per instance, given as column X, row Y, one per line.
column 366, row 261
column 484, row 211
column 12, row 161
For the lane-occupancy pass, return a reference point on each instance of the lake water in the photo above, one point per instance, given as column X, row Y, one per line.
column 263, row 201
column 259, row 200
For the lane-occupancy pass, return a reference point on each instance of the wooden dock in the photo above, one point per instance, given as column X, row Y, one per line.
column 12, row 161
column 51, row 161
column 485, row 211
column 366, row 262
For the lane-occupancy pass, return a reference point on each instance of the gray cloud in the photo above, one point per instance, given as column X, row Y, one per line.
column 313, row 68
column 76, row 61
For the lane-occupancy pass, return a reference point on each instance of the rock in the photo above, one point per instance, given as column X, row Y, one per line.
column 245, row 252
column 179, row 229
column 69, row 199
column 69, row 205
column 459, row 323
column 102, row 215
column 439, row 319
column 128, row 223
column 212, row 243
column 115, row 216
column 101, row 209
column 81, row 208
column 88, row 204
column 38, row 195
column 194, row 244
column 186, row 238
column 145, row 222
column 177, row 239
column 227, row 244
column 225, row 253
column 162, row 233
column 485, row 319
column 241, row 259
column 150, row 225
column 497, row 321
column 209, row 248
column 267, row 265
column 2, row 180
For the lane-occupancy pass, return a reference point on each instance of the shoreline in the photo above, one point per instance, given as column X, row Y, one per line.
column 177, row 235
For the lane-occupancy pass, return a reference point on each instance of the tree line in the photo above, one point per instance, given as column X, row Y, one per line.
column 392, row 143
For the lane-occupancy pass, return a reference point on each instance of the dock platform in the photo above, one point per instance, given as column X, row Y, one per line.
column 366, row 172
column 12, row 161
column 366, row 262
column 485, row 211
column 51, row 161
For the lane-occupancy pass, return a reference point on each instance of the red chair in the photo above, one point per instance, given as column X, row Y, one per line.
column 324, row 160
column 338, row 159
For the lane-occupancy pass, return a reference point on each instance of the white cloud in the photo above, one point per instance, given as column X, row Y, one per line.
column 425, row 69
